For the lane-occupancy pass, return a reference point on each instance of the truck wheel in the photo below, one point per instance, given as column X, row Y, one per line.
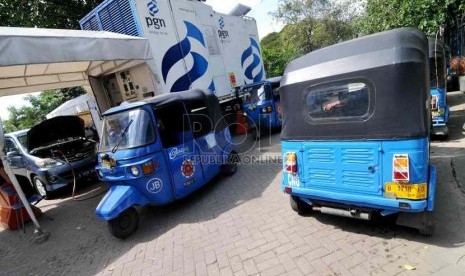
column 230, row 167
column 125, row 224
column 299, row 206
column 40, row 187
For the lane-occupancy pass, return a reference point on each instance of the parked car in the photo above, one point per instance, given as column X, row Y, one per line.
column 52, row 154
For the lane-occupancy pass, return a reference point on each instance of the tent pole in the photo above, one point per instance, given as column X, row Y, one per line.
column 41, row 236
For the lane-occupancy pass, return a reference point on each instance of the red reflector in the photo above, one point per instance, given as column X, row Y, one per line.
column 288, row 190
column 401, row 176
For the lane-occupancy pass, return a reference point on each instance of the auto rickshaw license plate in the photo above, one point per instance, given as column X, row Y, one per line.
column 406, row 191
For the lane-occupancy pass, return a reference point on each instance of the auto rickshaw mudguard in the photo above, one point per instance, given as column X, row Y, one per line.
column 117, row 200
column 431, row 187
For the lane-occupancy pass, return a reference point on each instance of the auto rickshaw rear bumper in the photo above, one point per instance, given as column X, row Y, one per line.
column 117, row 200
column 383, row 204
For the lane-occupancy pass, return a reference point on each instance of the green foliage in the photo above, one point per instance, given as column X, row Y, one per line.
column 313, row 24
column 28, row 116
column 427, row 15
column 45, row 13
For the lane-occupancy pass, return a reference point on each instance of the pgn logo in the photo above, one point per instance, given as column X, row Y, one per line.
column 154, row 22
column 221, row 21
column 222, row 33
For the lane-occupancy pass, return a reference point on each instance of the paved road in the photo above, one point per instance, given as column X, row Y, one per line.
column 243, row 225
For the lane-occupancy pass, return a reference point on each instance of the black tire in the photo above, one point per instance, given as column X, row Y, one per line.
column 299, row 206
column 230, row 167
column 255, row 134
column 125, row 224
column 40, row 187
column 426, row 231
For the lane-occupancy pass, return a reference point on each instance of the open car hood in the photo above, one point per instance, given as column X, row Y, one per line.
column 53, row 130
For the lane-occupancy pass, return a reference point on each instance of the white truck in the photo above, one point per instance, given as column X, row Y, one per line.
column 192, row 45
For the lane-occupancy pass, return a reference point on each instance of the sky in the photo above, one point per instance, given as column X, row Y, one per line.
column 16, row 100
column 260, row 11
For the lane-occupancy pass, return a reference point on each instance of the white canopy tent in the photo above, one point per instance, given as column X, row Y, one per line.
column 34, row 59
column 83, row 103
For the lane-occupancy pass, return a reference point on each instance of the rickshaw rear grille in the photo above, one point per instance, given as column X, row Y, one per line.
column 322, row 177
column 357, row 156
column 321, row 155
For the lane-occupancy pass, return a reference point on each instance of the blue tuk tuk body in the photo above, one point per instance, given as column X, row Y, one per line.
column 438, row 88
column 158, row 151
column 262, row 104
column 355, row 136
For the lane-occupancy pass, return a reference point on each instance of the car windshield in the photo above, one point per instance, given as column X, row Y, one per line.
column 23, row 140
column 128, row 129
column 256, row 94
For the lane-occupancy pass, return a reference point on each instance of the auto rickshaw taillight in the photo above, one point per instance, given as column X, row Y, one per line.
column 291, row 162
column 147, row 168
column 400, row 168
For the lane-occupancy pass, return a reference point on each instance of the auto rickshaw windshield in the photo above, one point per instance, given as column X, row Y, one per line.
column 127, row 129
column 257, row 94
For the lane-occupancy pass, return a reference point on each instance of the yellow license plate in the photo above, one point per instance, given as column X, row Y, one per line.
column 406, row 191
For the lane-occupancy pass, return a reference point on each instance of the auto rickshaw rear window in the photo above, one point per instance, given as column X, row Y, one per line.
column 336, row 101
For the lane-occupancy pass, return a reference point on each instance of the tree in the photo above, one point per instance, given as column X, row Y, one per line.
column 45, row 13
column 28, row 116
column 313, row 24
column 427, row 15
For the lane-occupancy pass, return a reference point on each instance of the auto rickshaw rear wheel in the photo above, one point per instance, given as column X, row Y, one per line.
column 230, row 167
column 299, row 206
column 125, row 224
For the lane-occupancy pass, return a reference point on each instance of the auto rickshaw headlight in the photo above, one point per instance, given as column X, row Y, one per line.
column 266, row 109
column 135, row 170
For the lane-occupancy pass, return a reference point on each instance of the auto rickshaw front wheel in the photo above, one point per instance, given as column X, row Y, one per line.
column 230, row 167
column 125, row 224
column 299, row 206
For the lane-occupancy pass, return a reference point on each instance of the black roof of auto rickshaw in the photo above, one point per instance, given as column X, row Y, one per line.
column 393, row 65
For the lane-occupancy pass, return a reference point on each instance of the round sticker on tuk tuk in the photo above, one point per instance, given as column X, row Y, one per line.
column 187, row 168
column 154, row 185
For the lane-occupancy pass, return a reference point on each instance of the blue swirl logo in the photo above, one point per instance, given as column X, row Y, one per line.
column 252, row 52
column 181, row 50
column 221, row 21
column 153, row 7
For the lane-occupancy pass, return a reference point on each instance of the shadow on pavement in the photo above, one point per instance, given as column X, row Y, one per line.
column 81, row 244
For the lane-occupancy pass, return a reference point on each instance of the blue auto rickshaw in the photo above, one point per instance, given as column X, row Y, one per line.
column 160, row 150
column 262, row 105
column 356, row 125
column 438, row 88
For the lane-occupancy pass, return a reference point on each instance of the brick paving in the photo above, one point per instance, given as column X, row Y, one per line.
column 243, row 225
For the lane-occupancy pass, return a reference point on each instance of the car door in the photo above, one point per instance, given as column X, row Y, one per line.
column 14, row 156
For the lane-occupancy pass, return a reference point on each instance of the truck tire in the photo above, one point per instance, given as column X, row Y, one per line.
column 125, row 224
column 299, row 206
